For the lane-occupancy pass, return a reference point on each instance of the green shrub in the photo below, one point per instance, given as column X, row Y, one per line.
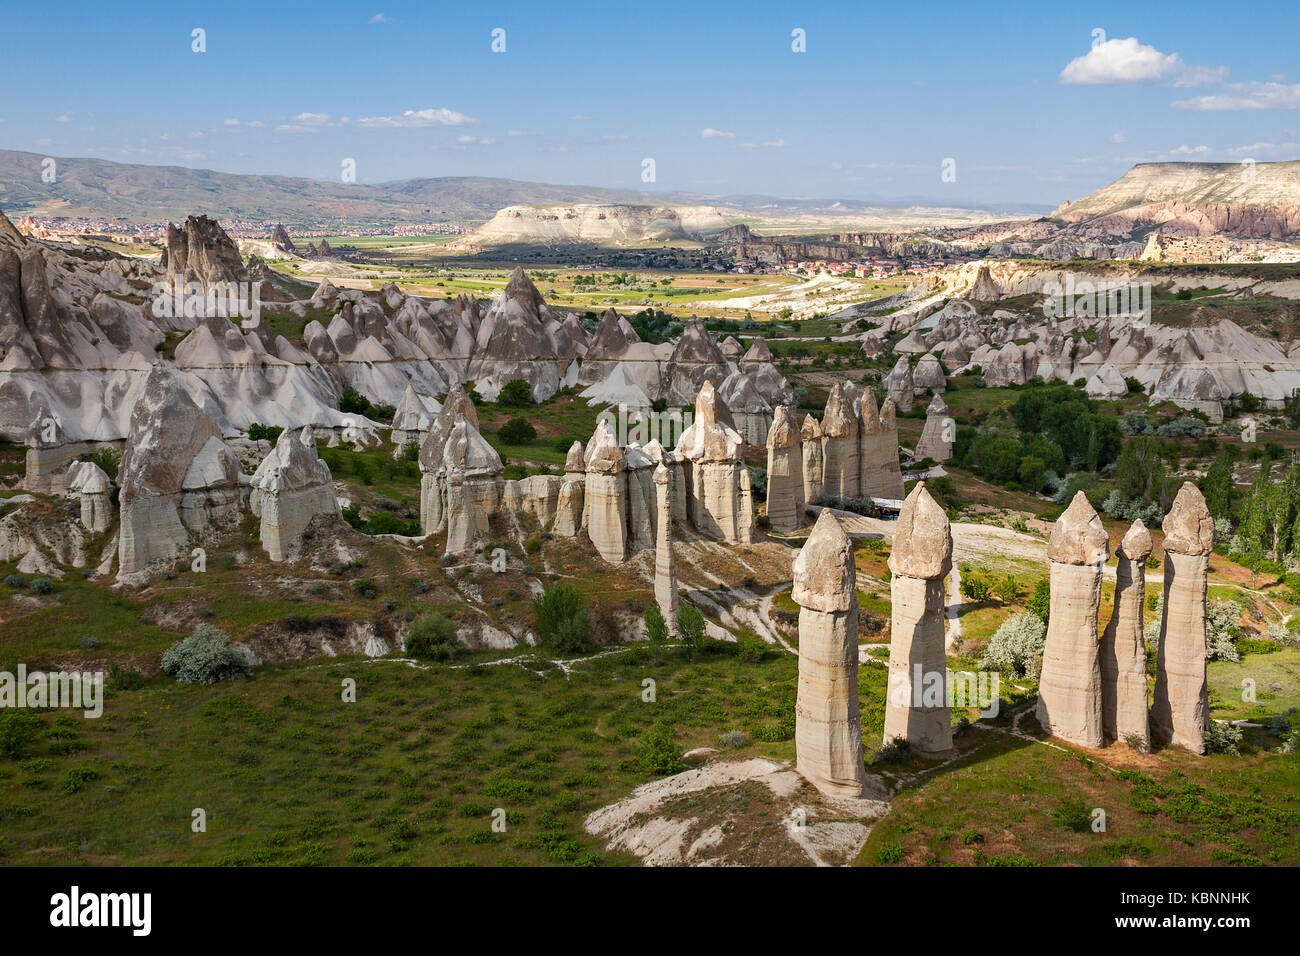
column 515, row 393
column 891, row 852
column 517, row 431
column 42, row 586
column 1223, row 739
column 14, row 581
column 18, row 730
column 205, row 657
column 1016, row 647
column 432, row 637
column 562, row 618
column 1073, row 814
column 690, row 627
column 659, row 755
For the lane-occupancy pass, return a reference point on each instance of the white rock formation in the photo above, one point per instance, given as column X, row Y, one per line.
column 810, row 437
column 916, row 706
column 569, row 503
column 1069, row 688
column 1180, row 707
column 719, row 481
column 291, row 487
column 785, row 478
column 606, row 494
column 88, row 483
column 879, row 473
column 828, row 725
column 665, row 564
column 1123, row 651
column 840, row 439
column 937, row 435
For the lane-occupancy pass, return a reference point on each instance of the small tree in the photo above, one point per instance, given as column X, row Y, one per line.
column 656, row 628
column 1016, row 647
column 562, row 618
column 1041, row 603
column 432, row 637
column 204, row 657
column 690, row 625
column 517, row 431
column 515, row 393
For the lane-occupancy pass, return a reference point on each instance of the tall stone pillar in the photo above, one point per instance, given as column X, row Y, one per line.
column 828, row 728
column 880, row 476
column 1069, row 689
column 784, row 471
column 665, row 564
column 1123, row 651
column 569, row 505
column 840, row 429
column 606, row 495
column 916, row 708
column 936, row 436
column 1180, row 709
column 810, row 436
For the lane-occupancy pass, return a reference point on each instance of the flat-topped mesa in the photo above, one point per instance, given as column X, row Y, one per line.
column 1180, row 706
column 784, row 471
column 1069, row 689
column 937, row 435
column 840, row 438
column 472, row 470
column 665, row 564
column 917, row 699
column 433, row 488
column 606, row 494
column 291, row 488
column 828, row 725
column 717, row 481
column 569, row 504
column 810, row 437
column 1123, row 650
column 879, row 473
column 179, row 480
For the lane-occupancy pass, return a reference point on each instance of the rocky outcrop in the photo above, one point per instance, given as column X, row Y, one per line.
column 937, row 435
column 412, row 419
column 784, row 471
column 879, row 474
column 91, row 486
column 828, row 727
column 180, row 482
column 665, row 564
column 606, row 494
column 1123, row 651
column 917, row 707
column 810, row 438
column 472, row 471
column 280, row 239
column 291, row 488
column 1069, row 688
column 841, row 434
column 719, row 485
column 569, row 503
column 1180, row 707
column 201, row 251
column 900, row 386
column 433, row 486
column 49, row 452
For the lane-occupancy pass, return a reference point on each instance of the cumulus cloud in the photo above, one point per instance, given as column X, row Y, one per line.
column 1247, row 96
column 769, row 144
column 710, row 133
column 412, row 119
column 231, row 122
column 1127, row 62
column 380, row 18
column 1189, row 151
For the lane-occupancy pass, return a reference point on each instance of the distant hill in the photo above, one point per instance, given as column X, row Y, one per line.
column 98, row 188
column 1260, row 201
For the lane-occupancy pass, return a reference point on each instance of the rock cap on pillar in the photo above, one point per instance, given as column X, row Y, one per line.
column 1078, row 536
column 923, row 539
column 869, row 412
column 889, row 416
column 1189, row 528
column 825, row 578
column 604, row 455
column 575, row 460
column 811, row 429
column 840, row 419
column 784, row 432
column 1136, row 544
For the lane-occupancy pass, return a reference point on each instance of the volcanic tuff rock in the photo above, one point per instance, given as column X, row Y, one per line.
column 1180, row 706
column 1069, row 693
column 718, row 485
column 840, row 440
column 784, row 471
column 810, row 436
column 879, row 474
column 179, row 480
column 606, row 494
column 937, row 435
column 200, row 251
column 1123, row 650
column 665, row 564
column 828, row 728
column 917, row 708
column 291, row 487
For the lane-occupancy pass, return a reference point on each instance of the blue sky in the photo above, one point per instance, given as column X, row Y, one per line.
column 1015, row 93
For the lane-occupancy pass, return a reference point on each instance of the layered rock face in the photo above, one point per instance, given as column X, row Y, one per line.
column 414, row 415
column 433, row 486
column 520, row 337
column 840, row 439
column 879, row 473
column 828, row 727
column 1180, row 707
column 785, row 480
column 291, row 488
column 719, row 498
column 937, row 435
column 472, row 471
column 810, row 438
column 606, row 494
column 49, row 452
column 1069, row 688
column 917, row 701
column 569, row 503
column 665, row 564
column 180, row 482
column 1123, row 651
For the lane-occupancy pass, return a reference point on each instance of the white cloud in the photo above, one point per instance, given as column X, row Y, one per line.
column 1291, row 150
column 1126, row 61
column 515, row 132
column 1247, row 96
column 1119, row 137
column 257, row 124
column 1189, row 151
column 580, row 117
column 475, row 140
column 64, row 117
column 710, row 133
column 231, row 122
column 412, row 119
column 770, row 144
column 380, row 18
